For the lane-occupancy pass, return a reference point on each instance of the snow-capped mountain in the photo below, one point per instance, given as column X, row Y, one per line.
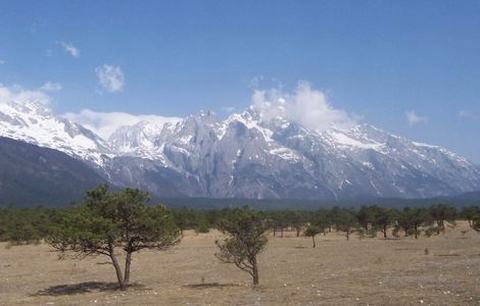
column 33, row 122
column 249, row 156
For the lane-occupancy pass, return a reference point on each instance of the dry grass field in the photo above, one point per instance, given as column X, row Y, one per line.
column 337, row 272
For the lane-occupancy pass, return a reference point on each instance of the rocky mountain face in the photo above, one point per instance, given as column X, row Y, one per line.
column 249, row 156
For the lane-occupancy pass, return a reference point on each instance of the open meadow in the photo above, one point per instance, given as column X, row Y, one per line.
column 440, row 270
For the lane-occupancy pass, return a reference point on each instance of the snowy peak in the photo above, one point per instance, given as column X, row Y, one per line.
column 246, row 155
column 29, row 119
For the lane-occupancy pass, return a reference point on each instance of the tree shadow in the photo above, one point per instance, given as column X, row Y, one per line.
column 209, row 285
column 80, row 288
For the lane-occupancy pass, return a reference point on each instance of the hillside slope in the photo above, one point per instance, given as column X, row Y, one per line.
column 32, row 175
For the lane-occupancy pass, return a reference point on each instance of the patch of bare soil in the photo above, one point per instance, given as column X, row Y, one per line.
column 441, row 270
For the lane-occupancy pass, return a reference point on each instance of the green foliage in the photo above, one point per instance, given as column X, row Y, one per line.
column 442, row 213
column 321, row 219
column 345, row 220
column 114, row 219
column 383, row 218
column 411, row 219
column 366, row 216
column 109, row 221
column 476, row 223
column 245, row 230
column 470, row 213
column 32, row 225
column 202, row 226
column 24, row 226
column 312, row 231
column 199, row 220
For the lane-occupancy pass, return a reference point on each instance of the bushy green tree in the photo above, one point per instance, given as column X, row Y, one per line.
column 24, row 225
column 470, row 213
column 109, row 222
column 245, row 238
column 383, row 218
column 345, row 220
column 312, row 231
column 366, row 217
column 411, row 219
column 296, row 220
column 322, row 220
column 279, row 221
column 442, row 213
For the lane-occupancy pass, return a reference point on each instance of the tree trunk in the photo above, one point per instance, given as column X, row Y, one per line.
column 298, row 232
column 118, row 271
column 384, row 231
column 281, row 232
column 128, row 262
column 313, row 240
column 416, row 231
column 442, row 226
column 255, row 272
column 348, row 234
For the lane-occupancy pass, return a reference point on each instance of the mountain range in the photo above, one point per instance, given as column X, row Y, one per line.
column 247, row 155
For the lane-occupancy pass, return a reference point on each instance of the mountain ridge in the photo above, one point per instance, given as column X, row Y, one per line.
column 249, row 155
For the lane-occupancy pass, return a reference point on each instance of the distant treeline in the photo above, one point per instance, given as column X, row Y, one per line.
column 462, row 200
column 30, row 225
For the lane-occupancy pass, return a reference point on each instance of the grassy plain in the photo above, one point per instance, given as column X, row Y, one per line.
column 337, row 272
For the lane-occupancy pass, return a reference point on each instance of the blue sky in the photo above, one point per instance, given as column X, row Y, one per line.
column 410, row 67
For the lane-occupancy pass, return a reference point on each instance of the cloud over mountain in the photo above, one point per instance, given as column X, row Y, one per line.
column 413, row 118
column 305, row 105
column 105, row 123
column 245, row 155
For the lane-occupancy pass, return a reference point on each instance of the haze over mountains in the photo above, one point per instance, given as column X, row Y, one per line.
column 272, row 150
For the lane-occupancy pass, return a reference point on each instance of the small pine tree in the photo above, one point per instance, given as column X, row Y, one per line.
column 245, row 230
column 108, row 222
column 346, row 221
column 312, row 231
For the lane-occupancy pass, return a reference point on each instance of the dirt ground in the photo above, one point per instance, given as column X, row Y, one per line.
column 337, row 272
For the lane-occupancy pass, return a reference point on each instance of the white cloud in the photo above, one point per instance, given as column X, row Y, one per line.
column 27, row 99
column 305, row 105
column 464, row 114
column 228, row 109
column 70, row 48
column 110, row 77
column 104, row 124
column 413, row 118
column 51, row 86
